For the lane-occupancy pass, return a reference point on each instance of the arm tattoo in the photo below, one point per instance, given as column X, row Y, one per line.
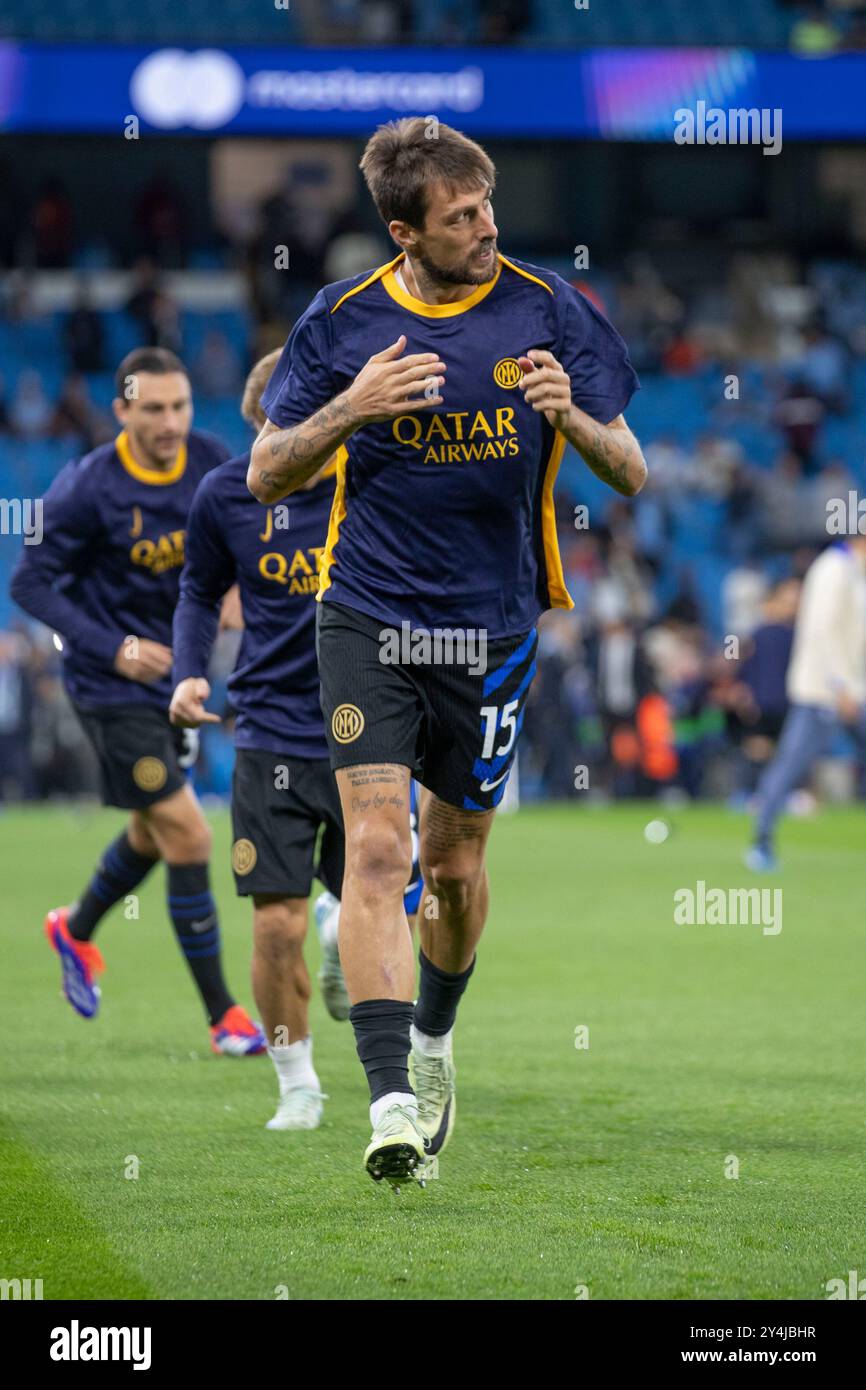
column 604, row 466
column 299, row 451
column 614, row 455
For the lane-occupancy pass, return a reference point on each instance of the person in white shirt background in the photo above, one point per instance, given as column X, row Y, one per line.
column 826, row 683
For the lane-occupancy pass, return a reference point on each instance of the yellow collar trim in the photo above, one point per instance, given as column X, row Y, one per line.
column 525, row 273
column 371, row 279
column 156, row 477
column 435, row 311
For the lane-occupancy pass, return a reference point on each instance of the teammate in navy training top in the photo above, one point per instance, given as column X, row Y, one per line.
column 105, row 577
column 283, row 790
column 451, row 380
column 274, row 557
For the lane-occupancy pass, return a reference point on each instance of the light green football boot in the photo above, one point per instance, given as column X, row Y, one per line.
column 396, row 1150
column 432, row 1081
column 299, row 1108
column 326, row 912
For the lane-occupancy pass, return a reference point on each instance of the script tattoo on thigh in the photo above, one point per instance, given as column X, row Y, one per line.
column 445, row 826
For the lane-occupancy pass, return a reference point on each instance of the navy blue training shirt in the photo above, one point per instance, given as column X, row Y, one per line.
column 274, row 554
column 109, row 562
column 445, row 516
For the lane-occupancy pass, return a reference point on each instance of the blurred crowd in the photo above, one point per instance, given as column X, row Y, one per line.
column 628, row 701
column 635, row 699
column 382, row 22
column 44, row 754
column 40, row 231
column 827, row 26
column 43, row 751
column 652, row 686
column 31, row 411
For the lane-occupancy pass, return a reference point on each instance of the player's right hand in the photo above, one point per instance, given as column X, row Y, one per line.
column 389, row 385
column 139, row 659
column 187, row 704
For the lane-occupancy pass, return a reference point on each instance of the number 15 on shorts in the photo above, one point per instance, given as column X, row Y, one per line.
column 494, row 725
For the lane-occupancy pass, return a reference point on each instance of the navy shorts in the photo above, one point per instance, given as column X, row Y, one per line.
column 138, row 752
column 287, row 825
column 453, row 723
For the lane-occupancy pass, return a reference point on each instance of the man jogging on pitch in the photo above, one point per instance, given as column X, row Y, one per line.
column 450, row 380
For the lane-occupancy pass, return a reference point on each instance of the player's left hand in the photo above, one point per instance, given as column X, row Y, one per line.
column 546, row 386
column 187, row 704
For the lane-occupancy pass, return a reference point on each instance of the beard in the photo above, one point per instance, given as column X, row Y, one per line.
column 159, row 455
column 469, row 272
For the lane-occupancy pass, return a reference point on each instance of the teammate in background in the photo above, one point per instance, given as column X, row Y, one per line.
column 762, row 701
column 450, row 380
column 106, row 579
column 826, row 683
column 283, row 791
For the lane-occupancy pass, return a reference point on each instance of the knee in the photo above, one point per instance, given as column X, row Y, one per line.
column 192, row 845
column 378, row 860
column 455, row 881
column 279, row 928
column 139, row 836
column 199, row 841
column 181, row 839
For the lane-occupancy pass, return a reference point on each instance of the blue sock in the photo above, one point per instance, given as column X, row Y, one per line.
column 196, row 924
column 120, row 869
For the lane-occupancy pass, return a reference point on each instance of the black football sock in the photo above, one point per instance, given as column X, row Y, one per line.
column 120, row 869
column 439, row 994
column 382, row 1039
column 194, row 916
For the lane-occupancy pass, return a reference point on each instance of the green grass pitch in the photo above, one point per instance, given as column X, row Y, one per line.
column 602, row 1166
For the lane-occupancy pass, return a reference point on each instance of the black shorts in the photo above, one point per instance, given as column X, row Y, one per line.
column 279, row 805
column 454, row 724
column 138, row 752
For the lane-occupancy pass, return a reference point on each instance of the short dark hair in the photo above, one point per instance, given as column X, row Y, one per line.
column 405, row 157
column 155, row 360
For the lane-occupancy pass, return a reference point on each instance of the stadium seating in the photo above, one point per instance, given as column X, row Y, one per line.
column 750, row 23
column 161, row 21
